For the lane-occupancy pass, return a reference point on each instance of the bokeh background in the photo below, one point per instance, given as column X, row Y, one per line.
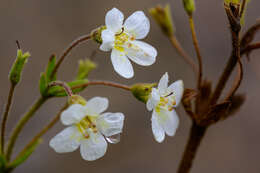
column 46, row 27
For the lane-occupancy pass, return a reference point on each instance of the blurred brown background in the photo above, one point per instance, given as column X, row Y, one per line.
column 46, row 27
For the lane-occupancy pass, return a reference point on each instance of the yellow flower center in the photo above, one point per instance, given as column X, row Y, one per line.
column 167, row 102
column 87, row 123
column 122, row 39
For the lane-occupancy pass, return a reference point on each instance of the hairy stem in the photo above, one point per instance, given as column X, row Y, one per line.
column 21, row 124
column 43, row 131
column 5, row 116
column 106, row 83
column 64, row 85
column 68, row 50
column 186, row 57
column 196, row 135
column 196, row 45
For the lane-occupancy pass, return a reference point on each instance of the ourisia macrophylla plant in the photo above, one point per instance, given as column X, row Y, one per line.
column 123, row 40
column 162, row 101
column 89, row 128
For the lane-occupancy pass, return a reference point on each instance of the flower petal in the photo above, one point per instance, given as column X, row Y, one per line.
column 73, row 114
column 158, row 131
column 141, row 53
column 96, row 105
column 121, row 64
column 110, row 123
column 153, row 99
column 114, row 20
column 177, row 88
column 138, row 25
column 108, row 38
column 163, row 84
column 67, row 140
column 93, row 147
column 168, row 120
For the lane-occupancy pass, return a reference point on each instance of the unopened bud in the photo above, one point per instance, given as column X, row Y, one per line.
column 163, row 18
column 189, row 6
column 17, row 68
column 85, row 66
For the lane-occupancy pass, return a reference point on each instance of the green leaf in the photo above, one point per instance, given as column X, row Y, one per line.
column 43, row 85
column 50, row 68
column 25, row 155
column 58, row 91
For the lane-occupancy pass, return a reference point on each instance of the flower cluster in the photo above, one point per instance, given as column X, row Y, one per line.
column 89, row 128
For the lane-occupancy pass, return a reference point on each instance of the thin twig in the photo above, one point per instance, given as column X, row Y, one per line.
column 250, row 48
column 5, row 116
column 196, row 45
column 186, row 57
column 42, row 132
column 106, row 83
column 242, row 8
column 68, row 50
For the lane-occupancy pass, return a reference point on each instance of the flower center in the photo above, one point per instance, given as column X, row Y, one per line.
column 87, row 124
column 122, row 39
column 167, row 102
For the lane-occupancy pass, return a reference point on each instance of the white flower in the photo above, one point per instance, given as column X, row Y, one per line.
column 87, row 128
column 122, row 39
column 162, row 102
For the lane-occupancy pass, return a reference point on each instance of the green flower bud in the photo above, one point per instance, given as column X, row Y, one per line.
column 189, row 6
column 142, row 91
column 77, row 99
column 96, row 34
column 163, row 18
column 17, row 68
column 85, row 66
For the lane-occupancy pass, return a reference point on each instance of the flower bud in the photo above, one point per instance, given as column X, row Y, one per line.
column 85, row 66
column 77, row 99
column 189, row 6
column 163, row 18
column 96, row 34
column 142, row 91
column 17, row 68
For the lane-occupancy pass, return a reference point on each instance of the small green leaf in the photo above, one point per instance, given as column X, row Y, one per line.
column 50, row 68
column 43, row 85
column 58, row 91
column 25, row 155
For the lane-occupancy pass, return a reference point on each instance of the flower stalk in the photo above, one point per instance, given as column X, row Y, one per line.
column 5, row 115
column 39, row 102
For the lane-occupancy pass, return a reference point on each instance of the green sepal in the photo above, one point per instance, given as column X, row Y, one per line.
column 50, row 68
column 24, row 156
column 85, row 67
column 142, row 91
column 43, row 85
column 96, row 34
column 58, row 91
column 17, row 68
